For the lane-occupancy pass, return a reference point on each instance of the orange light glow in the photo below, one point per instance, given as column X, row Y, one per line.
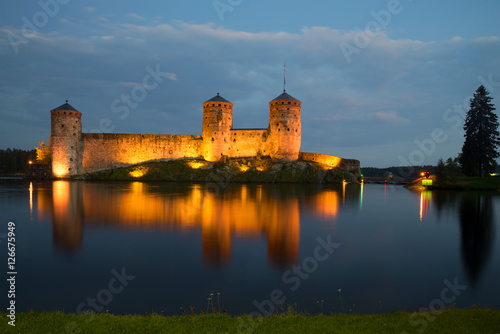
column 244, row 168
column 30, row 162
column 261, row 169
column 361, row 196
column 60, row 170
column 326, row 204
column 343, row 191
column 60, row 193
column 197, row 164
column 139, row 172
column 333, row 162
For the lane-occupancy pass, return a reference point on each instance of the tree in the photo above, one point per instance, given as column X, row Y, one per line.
column 448, row 172
column 43, row 153
column 481, row 136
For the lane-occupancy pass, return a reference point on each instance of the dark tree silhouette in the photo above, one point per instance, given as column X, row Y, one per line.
column 481, row 136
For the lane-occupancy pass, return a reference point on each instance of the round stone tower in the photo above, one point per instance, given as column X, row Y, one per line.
column 285, row 127
column 66, row 141
column 217, row 124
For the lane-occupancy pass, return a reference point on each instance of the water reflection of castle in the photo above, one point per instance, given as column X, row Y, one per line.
column 241, row 211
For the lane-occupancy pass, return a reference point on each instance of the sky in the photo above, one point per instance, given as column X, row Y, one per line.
column 385, row 82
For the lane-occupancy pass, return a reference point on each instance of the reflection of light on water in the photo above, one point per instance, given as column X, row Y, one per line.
column 326, row 204
column 343, row 191
column 60, row 191
column 361, row 195
column 31, row 200
column 424, row 203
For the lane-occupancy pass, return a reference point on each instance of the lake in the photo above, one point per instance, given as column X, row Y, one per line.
column 136, row 247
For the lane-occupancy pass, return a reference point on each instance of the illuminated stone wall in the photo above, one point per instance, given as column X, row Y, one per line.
column 107, row 150
column 331, row 161
column 249, row 143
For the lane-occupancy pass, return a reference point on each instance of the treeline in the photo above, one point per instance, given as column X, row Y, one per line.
column 14, row 161
column 403, row 171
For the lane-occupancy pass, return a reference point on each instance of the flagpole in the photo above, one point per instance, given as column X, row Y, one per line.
column 284, row 78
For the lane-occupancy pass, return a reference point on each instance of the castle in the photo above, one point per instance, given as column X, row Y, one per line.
column 76, row 153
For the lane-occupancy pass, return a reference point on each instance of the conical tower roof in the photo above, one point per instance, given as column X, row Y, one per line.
column 66, row 106
column 285, row 96
column 218, row 98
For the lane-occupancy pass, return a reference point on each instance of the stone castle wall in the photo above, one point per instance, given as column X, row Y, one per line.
column 248, row 143
column 108, row 150
column 331, row 161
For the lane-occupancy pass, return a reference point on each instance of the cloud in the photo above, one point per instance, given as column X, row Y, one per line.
column 135, row 16
column 89, row 9
column 391, row 117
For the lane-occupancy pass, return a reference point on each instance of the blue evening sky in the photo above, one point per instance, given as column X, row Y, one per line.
column 385, row 82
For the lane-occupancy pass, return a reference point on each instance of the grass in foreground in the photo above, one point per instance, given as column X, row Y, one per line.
column 474, row 320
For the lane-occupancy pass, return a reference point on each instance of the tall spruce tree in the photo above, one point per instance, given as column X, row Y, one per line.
column 481, row 136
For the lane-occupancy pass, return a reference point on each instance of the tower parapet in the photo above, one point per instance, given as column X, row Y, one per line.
column 217, row 125
column 66, row 141
column 285, row 127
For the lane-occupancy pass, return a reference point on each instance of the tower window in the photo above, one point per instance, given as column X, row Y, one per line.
column 213, row 139
column 62, row 125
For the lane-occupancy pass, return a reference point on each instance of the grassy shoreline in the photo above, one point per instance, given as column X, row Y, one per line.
column 241, row 170
column 462, row 183
column 471, row 320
